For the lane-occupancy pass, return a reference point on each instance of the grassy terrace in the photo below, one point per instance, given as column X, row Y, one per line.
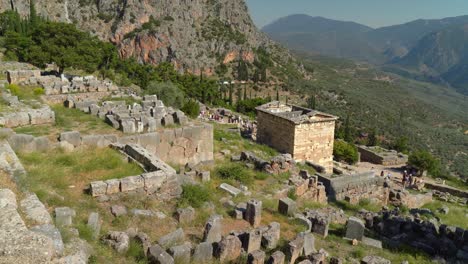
column 59, row 179
column 67, row 119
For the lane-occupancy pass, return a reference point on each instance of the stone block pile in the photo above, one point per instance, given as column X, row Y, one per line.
column 19, row 114
column 148, row 116
column 279, row 164
column 427, row 235
column 54, row 85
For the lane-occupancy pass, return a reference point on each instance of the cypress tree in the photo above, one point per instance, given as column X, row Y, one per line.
column 33, row 18
column 277, row 94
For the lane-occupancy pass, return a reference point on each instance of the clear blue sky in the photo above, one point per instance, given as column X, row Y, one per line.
column 373, row 13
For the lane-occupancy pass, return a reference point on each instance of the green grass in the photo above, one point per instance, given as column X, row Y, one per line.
column 58, row 170
column 194, row 195
column 352, row 209
column 69, row 119
column 235, row 143
column 457, row 215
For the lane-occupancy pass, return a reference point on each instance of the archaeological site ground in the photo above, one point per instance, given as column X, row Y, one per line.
column 91, row 172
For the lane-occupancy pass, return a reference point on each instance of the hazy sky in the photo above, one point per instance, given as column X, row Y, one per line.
column 373, row 13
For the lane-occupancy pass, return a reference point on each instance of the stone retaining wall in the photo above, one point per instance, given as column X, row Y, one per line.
column 428, row 236
column 78, row 97
column 189, row 144
column 355, row 187
column 447, row 189
column 386, row 157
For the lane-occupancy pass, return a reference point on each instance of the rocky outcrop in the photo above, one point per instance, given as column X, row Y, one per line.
column 194, row 35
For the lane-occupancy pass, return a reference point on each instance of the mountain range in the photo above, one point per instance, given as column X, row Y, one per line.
column 433, row 50
column 194, row 35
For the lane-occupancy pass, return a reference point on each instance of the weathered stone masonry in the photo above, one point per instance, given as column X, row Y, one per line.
column 306, row 134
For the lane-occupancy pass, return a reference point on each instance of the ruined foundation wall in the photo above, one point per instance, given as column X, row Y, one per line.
column 276, row 132
column 355, row 188
column 189, row 144
column 91, row 96
column 386, row 159
column 314, row 142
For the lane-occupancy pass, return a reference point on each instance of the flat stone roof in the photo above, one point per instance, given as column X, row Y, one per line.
column 296, row 114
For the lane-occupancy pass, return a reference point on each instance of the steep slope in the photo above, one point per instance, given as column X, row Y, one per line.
column 324, row 36
column 354, row 41
column 399, row 39
column 441, row 55
column 195, row 35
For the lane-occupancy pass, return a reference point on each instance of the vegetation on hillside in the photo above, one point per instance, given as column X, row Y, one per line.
column 404, row 113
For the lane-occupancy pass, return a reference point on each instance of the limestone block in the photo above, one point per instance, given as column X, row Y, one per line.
column 355, row 228
column 53, row 233
column 172, row 239
column 277, row 257
column 7, row 198
column 271, row 236
column 98, row 188
column 229, row 249
column 72, row 137
column 230, row 189
column 287, row 206
column 167, row 120
column 35, row 210
column 251, row 240
column 213, row 229
column 94, row 223
column 118, row 240
column 113, row 186
column 64, row 216
column 181, row 254
column 256, row 257
column 185, row 215
column 153, row 181
column 131, row 183
column 253, row 213
column 203, row 253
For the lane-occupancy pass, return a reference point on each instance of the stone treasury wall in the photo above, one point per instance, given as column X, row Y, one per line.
column 189, row 144
column 314, row 142
column 276, row 132
column 306, row 134
column 355, row 187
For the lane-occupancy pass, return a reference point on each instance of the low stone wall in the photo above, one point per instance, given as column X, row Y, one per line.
column 21, row 76
column 160, row 180
column 386, row 158
column 447, row 189
column 77, row 97
column 158, row 183
column 190, row 144
column 355, row 187
column 428, row 236
column 40, row 116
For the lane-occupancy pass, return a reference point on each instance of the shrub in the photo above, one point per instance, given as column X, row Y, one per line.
column 168, row 92
column 38, row 91
column 344, row 151
column 292, row 194
column 191, row 108
column 424, row 161
column 236, row 172
column 14, row 89
column 194, row 195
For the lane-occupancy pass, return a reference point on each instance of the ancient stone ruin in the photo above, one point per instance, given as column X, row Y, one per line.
column 160, row 179
column 149, row 116
column 306, row 134
column 379, row 155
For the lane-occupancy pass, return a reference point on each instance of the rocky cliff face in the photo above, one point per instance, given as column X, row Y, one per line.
column 192, row 34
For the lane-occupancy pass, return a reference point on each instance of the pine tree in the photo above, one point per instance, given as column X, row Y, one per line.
column 245, row 92
column 230, row 93
column 348, row 137
column 373, row 140
column 33, row 18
